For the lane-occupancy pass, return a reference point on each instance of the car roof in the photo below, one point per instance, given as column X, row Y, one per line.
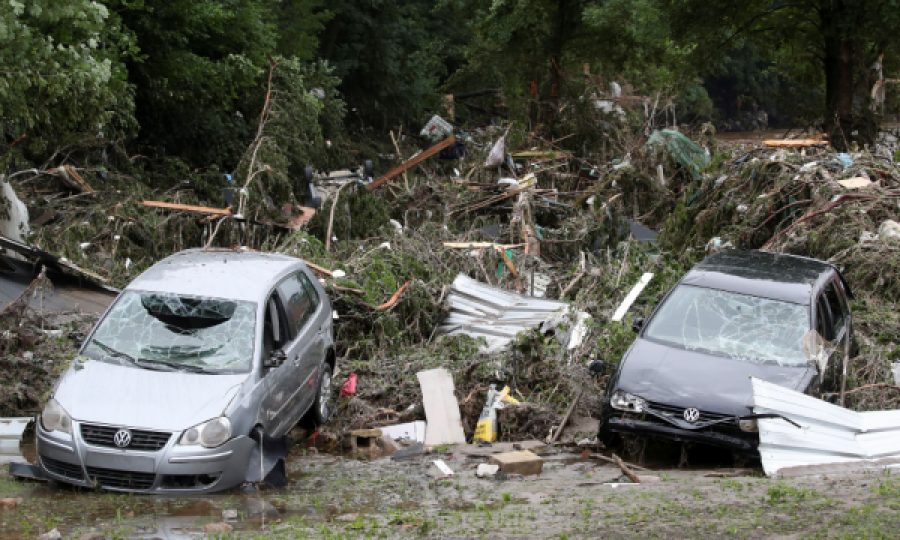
column 218, row 273
column 778, row 276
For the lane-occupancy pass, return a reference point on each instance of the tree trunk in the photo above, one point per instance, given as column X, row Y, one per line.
column 557, row 45
column 838, row 89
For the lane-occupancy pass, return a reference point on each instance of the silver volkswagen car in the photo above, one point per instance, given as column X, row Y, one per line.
column 199, row 361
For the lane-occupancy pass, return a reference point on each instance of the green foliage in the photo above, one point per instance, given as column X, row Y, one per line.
column 392, row 54
column 62, row 73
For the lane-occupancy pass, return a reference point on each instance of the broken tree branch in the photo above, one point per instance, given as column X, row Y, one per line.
column 626, row 471
column 866, row 387
column 565, row 419
column 390, row 303
column 611, row 460
column 337, row 196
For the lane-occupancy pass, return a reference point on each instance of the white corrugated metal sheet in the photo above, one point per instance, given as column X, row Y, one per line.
column 480, row 310
column 11, row 430
column 830, row 438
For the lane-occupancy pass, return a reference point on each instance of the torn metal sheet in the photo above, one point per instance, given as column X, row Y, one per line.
column 830, row 439
column 69, row 293
column 480, row 310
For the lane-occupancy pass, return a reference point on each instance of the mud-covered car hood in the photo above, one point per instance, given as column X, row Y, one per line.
column 104, row 393
column 682, row 378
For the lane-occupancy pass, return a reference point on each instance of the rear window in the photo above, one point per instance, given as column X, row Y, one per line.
column 732, row 325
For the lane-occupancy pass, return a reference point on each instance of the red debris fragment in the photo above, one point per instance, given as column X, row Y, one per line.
column 349, row 387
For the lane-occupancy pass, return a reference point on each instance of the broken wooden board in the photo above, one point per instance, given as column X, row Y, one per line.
column 477, row 245
column 794, row 143
column 188, row 208
column 855, row 183
column 441, row 408
column 407, row 165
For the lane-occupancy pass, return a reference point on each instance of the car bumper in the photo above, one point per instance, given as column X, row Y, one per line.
column 707, row 436
column 172, row 470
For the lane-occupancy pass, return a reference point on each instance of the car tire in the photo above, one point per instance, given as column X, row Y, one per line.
column 321, row 408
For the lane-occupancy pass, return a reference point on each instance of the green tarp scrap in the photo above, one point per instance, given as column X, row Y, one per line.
column 684, row 151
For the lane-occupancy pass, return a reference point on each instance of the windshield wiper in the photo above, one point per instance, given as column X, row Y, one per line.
column 113, row 352
column 176, row 365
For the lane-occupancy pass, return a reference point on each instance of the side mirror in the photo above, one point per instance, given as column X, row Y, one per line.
column 638, row 325
column 276, row 359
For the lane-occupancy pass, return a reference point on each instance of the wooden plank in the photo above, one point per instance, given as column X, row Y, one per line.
column 794, row 143
column 188, row 208
column 441, row 408
column 855, row 183
column 405, row 166
column 508, row 262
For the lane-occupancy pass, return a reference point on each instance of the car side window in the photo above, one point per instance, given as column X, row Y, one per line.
column 313, row 295
column 838, row 313
column 823, row 319
column 300, row 305
column 275, row 333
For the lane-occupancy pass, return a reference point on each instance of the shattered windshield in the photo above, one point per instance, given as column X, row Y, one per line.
column 174, row 332
column 738, row 326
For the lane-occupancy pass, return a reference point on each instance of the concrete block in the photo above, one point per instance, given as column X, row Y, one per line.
column 363, row 441
column 523, row 462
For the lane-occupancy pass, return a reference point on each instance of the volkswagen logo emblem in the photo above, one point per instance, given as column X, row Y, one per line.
column 122, row 438
column 691, row 415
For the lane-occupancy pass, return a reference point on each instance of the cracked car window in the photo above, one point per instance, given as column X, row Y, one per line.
column 737, row 326
column 208, row 334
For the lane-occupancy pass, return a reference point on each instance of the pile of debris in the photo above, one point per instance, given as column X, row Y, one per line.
column 511, row 263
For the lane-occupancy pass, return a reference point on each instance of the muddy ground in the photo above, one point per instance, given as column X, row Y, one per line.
column 335, row 496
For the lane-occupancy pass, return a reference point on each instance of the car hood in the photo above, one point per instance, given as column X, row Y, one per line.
column 681, row 378
column 104, row 393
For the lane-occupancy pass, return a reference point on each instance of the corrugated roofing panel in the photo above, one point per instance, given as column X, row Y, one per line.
column 480, row 310
column 828, row 435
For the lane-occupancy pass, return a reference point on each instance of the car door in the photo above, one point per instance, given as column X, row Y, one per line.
column 278, row 379
column 319, row 324
column 306, row 345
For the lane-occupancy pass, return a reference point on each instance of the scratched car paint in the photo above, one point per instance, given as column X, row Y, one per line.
column 200, row 363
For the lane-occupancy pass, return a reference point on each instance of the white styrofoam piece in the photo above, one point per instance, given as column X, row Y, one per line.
column 414, row 431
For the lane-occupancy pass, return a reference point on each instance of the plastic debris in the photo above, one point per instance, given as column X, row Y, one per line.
column 349, row 387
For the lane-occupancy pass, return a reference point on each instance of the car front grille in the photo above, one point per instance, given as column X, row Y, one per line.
column 678, row 412
column 71, row 471
column 150, row 441
column 110, row 478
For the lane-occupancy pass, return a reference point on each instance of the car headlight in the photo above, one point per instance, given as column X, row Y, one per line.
column 208, row 434
column 749, row 425
column 55, row 418
column 624, row 401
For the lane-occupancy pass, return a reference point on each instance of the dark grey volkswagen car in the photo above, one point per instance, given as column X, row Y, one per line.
column 737, row 314
column 201, row 360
